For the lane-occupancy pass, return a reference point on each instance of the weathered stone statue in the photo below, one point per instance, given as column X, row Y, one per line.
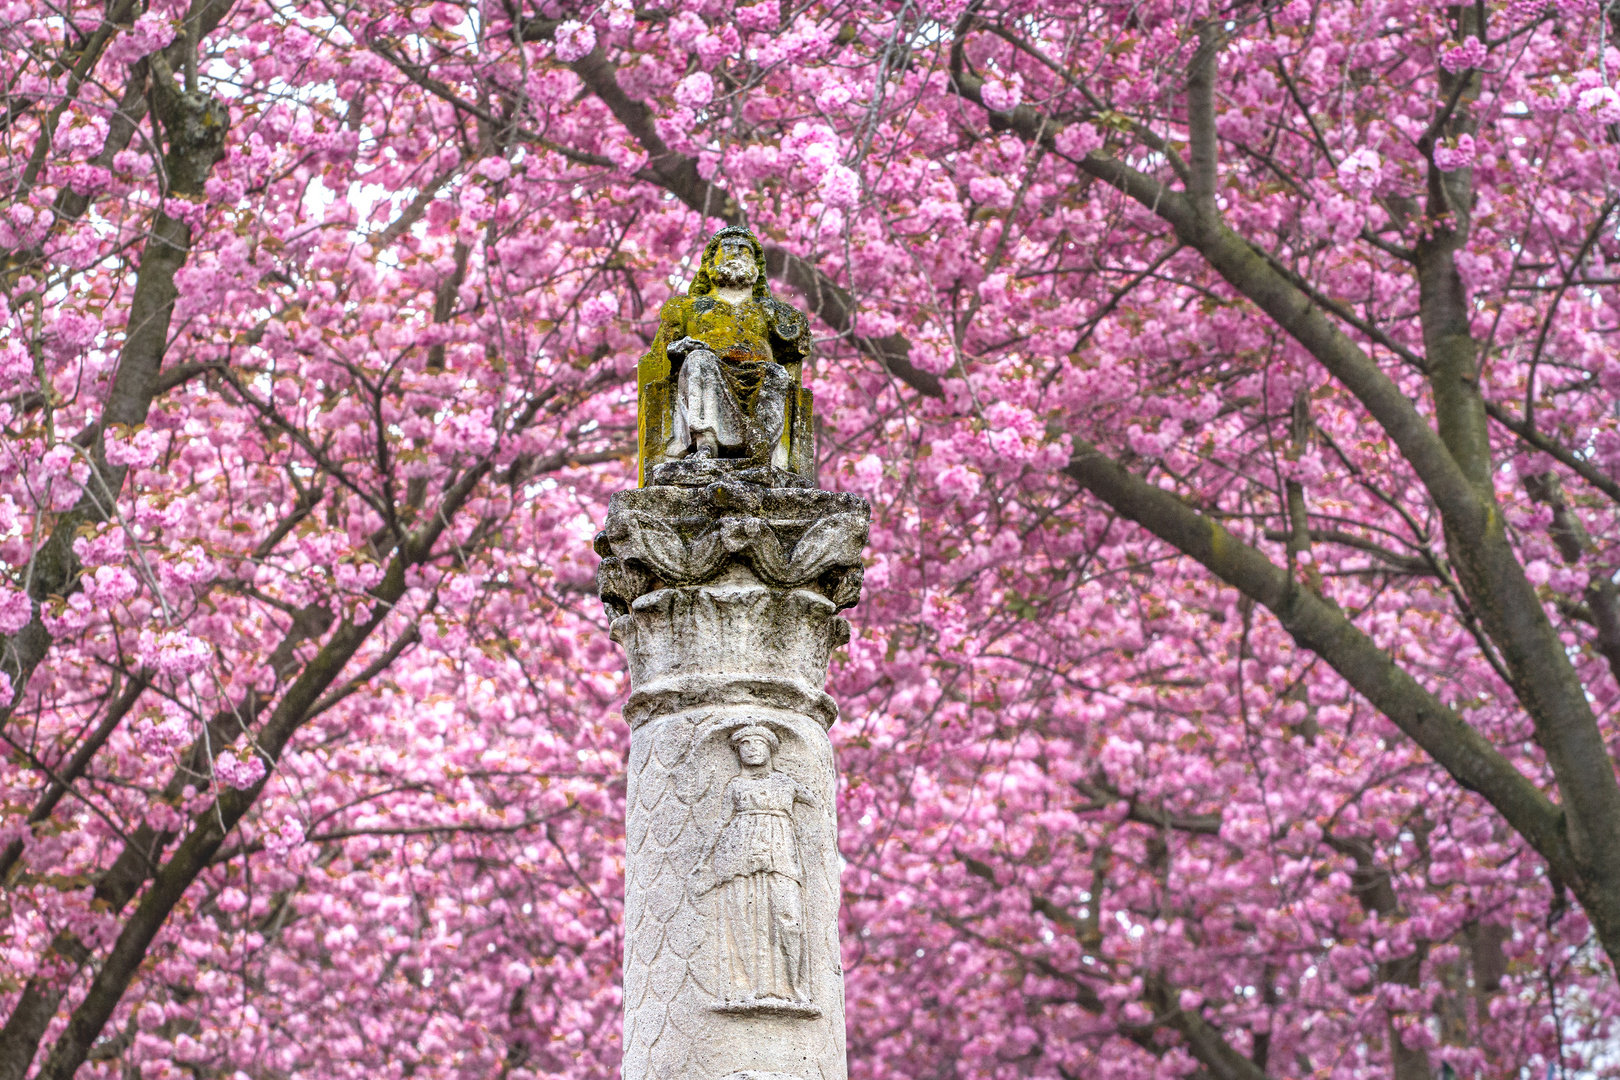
column 723, row 575
column 723, row 377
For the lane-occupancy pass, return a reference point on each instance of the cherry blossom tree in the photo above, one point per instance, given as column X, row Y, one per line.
column 1234, row 690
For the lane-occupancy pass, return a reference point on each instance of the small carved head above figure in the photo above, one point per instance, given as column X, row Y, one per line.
column 755, row 744
column 720, row 393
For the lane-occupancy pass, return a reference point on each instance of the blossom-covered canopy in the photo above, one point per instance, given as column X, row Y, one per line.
column 1234, row 383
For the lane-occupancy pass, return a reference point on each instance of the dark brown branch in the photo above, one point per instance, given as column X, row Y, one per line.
column 1555, row 450
column 211, row 825
column 1202, row 1039
column 1453, row 465
column 1102, row 794
column 1603, row 598
column 195, row 128
column 377, row 666
column 1407, row 564
column 75, row 767
column 1575, row 264
column 1203, row 144
column 1318, row 624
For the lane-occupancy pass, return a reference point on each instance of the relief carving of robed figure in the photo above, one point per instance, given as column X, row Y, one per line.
column 756, row 868
column 722, row 381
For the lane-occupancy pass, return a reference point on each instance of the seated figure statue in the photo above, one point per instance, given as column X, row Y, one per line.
column 719, row 391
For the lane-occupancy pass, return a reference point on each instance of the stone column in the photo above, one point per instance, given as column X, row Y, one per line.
column 725, row 596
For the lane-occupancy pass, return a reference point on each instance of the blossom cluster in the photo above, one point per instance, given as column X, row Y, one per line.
column 328, row 592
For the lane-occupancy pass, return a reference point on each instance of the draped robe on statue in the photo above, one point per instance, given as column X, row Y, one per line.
column 760, row 878
column 738, row 393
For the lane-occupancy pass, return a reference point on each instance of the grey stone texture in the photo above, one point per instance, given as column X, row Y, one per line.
column 725, row 596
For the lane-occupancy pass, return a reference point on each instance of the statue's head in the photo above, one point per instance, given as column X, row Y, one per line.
column 755, row 744
column 733, row 259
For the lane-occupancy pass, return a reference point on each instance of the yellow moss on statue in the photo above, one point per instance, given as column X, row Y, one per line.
column 723, row 379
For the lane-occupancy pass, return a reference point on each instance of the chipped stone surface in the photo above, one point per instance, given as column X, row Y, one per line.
column 787, row 537
column 725, row 599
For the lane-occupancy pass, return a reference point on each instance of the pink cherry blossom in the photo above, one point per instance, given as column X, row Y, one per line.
column 991, row 190
column 140, row 449
column 1361, row 169
column 105, row 549
column 239, row 772
column 288, row 835
column 763, row 16
column 150, row 32
column 868, row 473
column 621, row 14
column 494, row 168
column 1460, row 156
column 958, row 482
column 840, row 186
column 15, row 610
column 192, row 567
column 574, row 40
column 1470, row 54
column 1003, row 95
column 834, row 97
column 599, row 310
column 110, row 585
column 695, row 91
column 58, row 461
column 1601, row 103
column 317, row 641
column 173, row 652
column 16, row 366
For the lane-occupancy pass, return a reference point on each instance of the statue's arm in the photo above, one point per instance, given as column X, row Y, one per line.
column 802, row 794
column 789, row 333
column 671, row 328
column 703, row 878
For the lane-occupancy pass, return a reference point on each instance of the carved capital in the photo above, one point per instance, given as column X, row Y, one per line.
column 786, row 538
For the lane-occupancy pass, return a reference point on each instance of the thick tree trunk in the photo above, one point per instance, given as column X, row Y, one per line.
column 195, row 126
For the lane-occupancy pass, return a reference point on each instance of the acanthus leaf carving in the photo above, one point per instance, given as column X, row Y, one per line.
column 790, row 538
